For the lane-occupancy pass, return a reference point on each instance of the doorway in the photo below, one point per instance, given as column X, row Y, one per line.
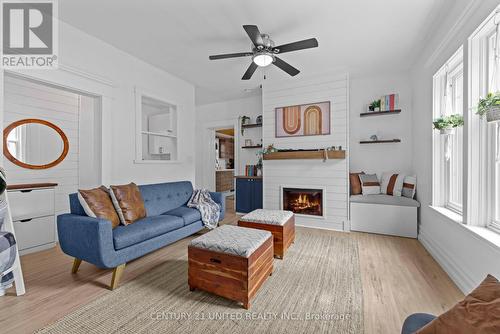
column 225, row 163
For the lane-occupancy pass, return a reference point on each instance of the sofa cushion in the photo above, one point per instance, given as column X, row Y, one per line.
column 385, row 200
column 189, row 215
column 128, row 203
column 144, row 229
column 163, row 197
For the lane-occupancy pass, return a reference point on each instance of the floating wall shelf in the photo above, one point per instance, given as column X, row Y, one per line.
column 254, row 125
column 379, row 113
column 287, row 155
column 380, row 141
column 253, row 146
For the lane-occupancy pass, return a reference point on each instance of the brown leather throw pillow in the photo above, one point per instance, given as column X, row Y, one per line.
column 128, row 203
column 478, row 313
column 355, row 183
column 97, row 203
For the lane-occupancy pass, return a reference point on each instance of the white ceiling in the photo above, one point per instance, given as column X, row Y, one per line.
column 361, row 36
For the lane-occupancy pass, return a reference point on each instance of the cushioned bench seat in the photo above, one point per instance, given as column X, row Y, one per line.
column 385, row 200
column 384, row 214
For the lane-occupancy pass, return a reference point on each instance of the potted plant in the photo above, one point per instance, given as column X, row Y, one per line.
column 374, row 106
column 490, row 106
column 447, row 124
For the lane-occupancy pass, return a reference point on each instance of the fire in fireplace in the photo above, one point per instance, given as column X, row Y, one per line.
column 303, row 201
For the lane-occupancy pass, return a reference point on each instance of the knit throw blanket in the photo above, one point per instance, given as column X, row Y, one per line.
column 210, row 211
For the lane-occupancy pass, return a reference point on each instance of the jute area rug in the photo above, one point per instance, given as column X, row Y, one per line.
column 315, row 289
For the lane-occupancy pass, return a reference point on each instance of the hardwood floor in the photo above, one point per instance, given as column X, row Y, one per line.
column 399, row 277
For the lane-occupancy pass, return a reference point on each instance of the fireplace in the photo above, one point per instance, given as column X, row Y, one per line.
column 303, row 201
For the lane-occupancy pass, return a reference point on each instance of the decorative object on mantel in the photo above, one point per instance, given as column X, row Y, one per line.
column 374, row 137
column 490, row 106
column 36, row 135
column 311, row 119
column 10, row 264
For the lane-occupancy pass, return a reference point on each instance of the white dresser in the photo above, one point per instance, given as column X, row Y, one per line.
column 33, row 214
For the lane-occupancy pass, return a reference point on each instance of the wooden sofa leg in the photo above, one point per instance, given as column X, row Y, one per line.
column 117, row 274
column 76, row 265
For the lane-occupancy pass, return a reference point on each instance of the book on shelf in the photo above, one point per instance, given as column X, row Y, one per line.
column 251, row 170
column 389, row 102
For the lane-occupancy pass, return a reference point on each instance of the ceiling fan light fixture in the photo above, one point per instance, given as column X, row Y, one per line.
column 263, row 59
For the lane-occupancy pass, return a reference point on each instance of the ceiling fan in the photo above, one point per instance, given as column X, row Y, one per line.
column 264, row 52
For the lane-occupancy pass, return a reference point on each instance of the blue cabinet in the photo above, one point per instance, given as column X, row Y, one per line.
column 248, row 194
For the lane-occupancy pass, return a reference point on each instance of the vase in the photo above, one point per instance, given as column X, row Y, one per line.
column 447, row 132
column 493, row 114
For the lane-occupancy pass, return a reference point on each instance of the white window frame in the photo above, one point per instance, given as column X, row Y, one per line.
column 483, row 167
column 441, row 168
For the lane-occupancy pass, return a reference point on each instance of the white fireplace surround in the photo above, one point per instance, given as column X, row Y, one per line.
column 331, row 175
column 323, row 199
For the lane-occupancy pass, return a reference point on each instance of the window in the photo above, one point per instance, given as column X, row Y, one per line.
column 484, row 137
column 156, row 126
column 14, row 143
column 493, row 133
column 448, row 148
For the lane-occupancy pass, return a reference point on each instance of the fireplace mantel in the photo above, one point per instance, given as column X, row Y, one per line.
column 320, row 154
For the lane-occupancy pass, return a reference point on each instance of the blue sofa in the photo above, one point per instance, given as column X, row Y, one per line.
column 168, row 220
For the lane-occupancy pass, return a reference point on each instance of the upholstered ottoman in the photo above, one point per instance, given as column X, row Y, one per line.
column 279, row 222
column 231, row 261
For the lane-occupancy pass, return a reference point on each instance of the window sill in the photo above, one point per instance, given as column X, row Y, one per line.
column 479, row 232
column 451, row 215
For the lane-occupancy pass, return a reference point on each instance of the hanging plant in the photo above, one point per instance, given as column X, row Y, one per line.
column 490, row 106
column 447, row 124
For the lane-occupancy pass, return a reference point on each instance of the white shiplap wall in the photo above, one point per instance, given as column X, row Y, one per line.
column 27, row 99
column 332, row 174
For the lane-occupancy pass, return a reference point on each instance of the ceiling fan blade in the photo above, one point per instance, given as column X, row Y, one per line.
column 286, row 67
column 254, row 34
column 248, row 74
column 300, row 45
column 230, row 55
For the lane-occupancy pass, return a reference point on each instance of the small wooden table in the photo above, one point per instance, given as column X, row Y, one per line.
column 231, row 261
column 279, row 222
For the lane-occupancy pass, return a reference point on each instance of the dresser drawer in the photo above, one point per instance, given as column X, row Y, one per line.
column 31, row 204
column 35, row 232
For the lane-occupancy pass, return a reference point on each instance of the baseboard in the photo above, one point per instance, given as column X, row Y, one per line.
column 457, row 274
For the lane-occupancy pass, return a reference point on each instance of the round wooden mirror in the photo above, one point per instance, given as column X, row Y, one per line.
column 35, row 144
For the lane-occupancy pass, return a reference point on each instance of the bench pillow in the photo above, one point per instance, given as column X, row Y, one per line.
column 409, row 186
column 128, row 203
column 97, row 204
column 355, row 183
column 369, row 184
column 392, row 184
